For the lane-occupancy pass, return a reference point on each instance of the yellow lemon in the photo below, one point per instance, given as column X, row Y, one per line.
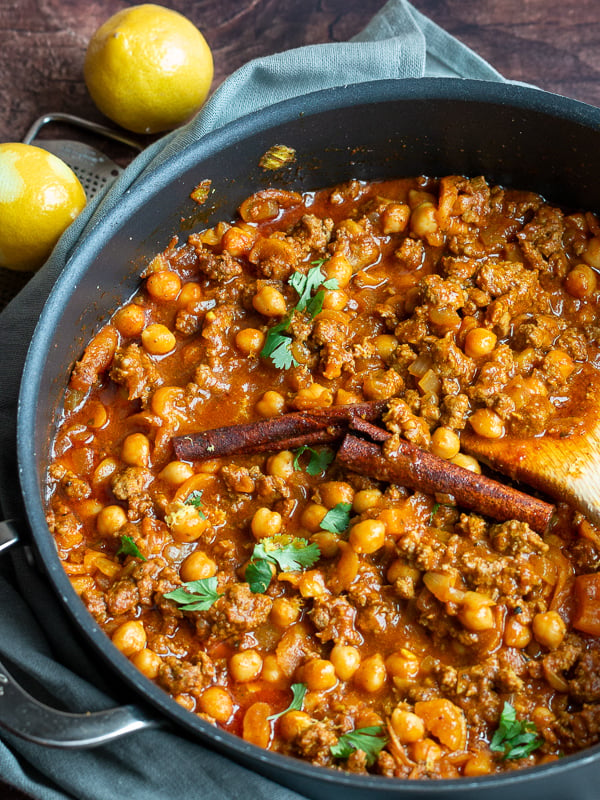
column 39, row 197
column 148, row 68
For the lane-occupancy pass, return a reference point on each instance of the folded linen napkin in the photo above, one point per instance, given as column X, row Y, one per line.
column 35, row 636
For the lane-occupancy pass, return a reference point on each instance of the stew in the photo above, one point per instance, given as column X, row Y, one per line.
column 226, row 496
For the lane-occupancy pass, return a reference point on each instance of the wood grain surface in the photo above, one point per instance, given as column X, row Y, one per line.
column 554, row 44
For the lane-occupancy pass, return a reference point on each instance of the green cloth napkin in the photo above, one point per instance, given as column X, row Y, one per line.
column 36, row 641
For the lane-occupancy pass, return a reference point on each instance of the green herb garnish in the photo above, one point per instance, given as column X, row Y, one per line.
column 129, row 548
column 278, row 343
column 515, row 738
column 195, row 499
column 195, row 595
column 288, row 553
column 298, row 692
column 337, row 518
column 318, row 462
column 370, row 740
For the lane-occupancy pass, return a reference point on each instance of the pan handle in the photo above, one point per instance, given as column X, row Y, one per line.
column 36, row 722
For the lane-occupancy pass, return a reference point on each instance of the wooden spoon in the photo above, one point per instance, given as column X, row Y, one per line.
column 564, row 464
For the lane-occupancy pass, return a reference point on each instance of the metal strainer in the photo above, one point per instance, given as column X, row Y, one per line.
column 95, row 170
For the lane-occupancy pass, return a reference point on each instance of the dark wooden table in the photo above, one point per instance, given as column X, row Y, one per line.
column 554, row 44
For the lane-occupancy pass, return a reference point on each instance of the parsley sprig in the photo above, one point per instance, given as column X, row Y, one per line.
column 288, row 553
column 370, row 740
column 337, row 518
column 298, row 692
column 318, row 462
column 278, row 343
column 195, row 595
column 515, row 738
column 129, row 548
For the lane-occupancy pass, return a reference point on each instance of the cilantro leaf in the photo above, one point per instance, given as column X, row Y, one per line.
column 258, row 576
column 306, row 284
column 282, row 356
column 514, row 738
column 298, row 692
column 195, row 499
column 195, row 595
column 318, row 462
column 337, row 518
column 289, row 553
column 370, row 740
column 129, row 548
column 278, row 345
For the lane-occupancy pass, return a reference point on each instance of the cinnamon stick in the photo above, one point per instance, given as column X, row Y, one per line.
column 408, row 465
column 317, row 426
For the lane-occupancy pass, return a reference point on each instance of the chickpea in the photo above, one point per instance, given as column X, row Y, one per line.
column 250, row 341
column 217, row 703
column 334, row 300
column 516, row 634
column 165, row 400
column 312, row 584
column 135, row 450
column 346, row 660
column 176, row 472
column 158, row 340
column 445, row 443
column 479, row 342
column 475, row 612
column 558, row 364
column 339, row 268
column 407, row 726
column 581, row 281
column 403, row 664
column 327, row 542
column 313, row 396
column 549, row 629
column 334, row 492
column 487, row 423
column 400, row 569
column 130, row 637
column 371, row 675
column 130, row 320
column 245, row 666
column 293, row 723
column 197, row 566
column 266, row 523
column 185, row 523
column 426, row 750
column 269, row 302
column 281, row 465
column 466, row 462
column 418, row 196
column 284, row 612
column 312, row 516
column 344, row 398
column 191, row 292
column 319, row 675
column 365, row 499
column 479, row 763
column 148, row 662
column 163, row 285
column 385, row 344
column 394, row 218
column 367, row 536
column 271, row 671
column 110, row 520
column 185, row 701
column 591, row 255
column 96, row 414
column 423, row 220
column 238, row 241
column 271, row 404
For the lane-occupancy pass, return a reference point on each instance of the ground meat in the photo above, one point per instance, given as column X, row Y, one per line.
column 123, row 596
column 539, row 332
column 315, row 743
column 72, row 486
column 135, row 370
column 314, row 231
column 446, row 293
column 400, row 419
column 410, row 254
column 455, row 411
column 187, row 323
column 334, row 619
column 332, row 337
column 584, row 683
column 237, row 479
column 237, row 611
column 514, row 537
column 179, row 676
column 130, row 485
column 222, row 267
column 96, row 604
column 450, row 361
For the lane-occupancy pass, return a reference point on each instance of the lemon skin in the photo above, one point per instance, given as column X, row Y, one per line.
column 148, row 68
column 39, row 198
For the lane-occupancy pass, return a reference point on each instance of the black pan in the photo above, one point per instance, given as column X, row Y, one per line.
column 513, row 135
